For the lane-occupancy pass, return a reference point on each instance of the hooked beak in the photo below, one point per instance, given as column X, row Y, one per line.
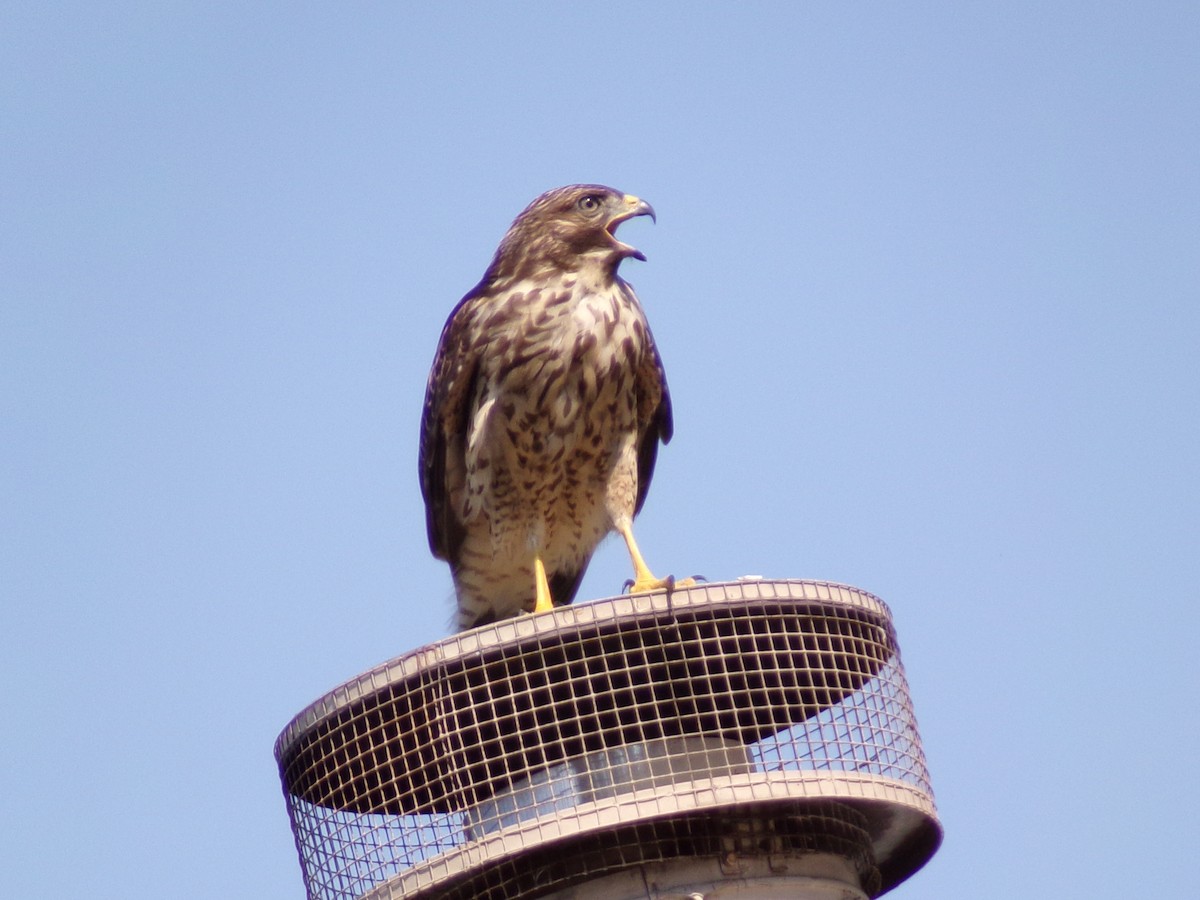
column 631, row 207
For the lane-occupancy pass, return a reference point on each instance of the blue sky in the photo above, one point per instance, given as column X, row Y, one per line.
column 925, row 278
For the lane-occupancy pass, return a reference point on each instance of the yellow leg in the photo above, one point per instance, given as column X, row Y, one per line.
column 643, row 578
column 543, row 602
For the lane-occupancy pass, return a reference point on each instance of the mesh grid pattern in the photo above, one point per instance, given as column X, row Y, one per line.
column 517, row 758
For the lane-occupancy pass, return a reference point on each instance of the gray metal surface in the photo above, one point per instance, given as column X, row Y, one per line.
column 815, row 876
column 759, row 718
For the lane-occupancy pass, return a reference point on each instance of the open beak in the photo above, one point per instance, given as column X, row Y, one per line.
column 631, row 207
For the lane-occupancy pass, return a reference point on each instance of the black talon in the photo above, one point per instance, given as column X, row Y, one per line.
column 627, row 586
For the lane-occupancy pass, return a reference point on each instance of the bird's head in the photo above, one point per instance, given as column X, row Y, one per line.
column 569, row 228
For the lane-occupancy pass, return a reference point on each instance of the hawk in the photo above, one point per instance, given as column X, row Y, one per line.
column 543, row 412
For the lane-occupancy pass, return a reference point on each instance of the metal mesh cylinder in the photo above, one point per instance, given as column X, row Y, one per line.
column 749, row 718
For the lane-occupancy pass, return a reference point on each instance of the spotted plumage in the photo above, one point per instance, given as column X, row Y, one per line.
column 544, row 409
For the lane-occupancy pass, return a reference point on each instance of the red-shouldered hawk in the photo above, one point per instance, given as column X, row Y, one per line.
column 544, row 410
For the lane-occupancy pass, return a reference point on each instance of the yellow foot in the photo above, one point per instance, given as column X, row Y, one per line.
column 650, row 583
column 542, row 600
column 643, row 580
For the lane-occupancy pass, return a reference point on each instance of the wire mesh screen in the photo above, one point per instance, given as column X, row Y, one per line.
column 518, row 758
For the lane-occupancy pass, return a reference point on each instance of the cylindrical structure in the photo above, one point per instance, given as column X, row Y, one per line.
column 751, row 739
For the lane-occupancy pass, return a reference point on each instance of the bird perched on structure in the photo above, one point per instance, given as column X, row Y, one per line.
column 543, row 412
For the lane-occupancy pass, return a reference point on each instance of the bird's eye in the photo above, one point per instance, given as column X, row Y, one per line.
column 589, row 204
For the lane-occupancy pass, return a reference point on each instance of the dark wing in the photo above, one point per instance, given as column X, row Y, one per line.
column 445, row 420
column 654, row 410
